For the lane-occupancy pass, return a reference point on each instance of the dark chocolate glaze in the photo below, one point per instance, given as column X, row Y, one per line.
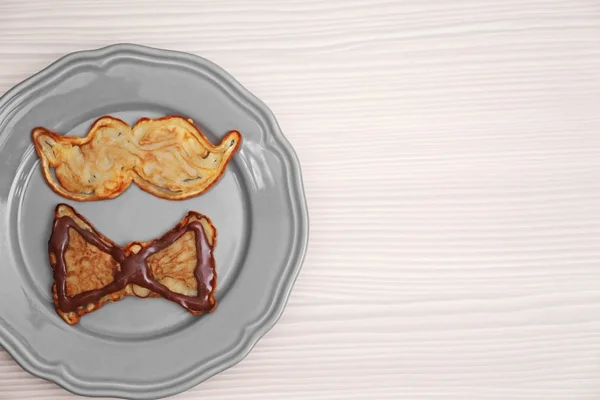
column 134, row 268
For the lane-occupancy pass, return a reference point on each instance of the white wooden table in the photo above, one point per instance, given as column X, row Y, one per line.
column 451, row 158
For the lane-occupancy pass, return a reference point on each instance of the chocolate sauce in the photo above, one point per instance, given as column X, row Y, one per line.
column 134, row 267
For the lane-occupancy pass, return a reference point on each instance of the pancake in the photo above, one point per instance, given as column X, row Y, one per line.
column 90, row 270
column 168, row 157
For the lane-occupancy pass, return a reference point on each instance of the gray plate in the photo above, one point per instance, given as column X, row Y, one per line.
column 146, row 348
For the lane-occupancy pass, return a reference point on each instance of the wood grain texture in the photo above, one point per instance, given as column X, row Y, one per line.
column 451, row 155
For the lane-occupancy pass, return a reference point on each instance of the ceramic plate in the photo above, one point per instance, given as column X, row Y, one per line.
column 146, row 348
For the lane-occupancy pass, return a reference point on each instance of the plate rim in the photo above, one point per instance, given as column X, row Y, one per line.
column 252, row 331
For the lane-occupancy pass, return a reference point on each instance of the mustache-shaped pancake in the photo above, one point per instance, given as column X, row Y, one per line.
column 168, row 157
column 91, row 270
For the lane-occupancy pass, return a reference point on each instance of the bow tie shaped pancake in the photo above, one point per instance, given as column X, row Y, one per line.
column 91, row 270
column 168, row 157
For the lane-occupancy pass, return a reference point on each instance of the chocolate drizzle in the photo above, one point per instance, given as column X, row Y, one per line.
column 134, row 268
